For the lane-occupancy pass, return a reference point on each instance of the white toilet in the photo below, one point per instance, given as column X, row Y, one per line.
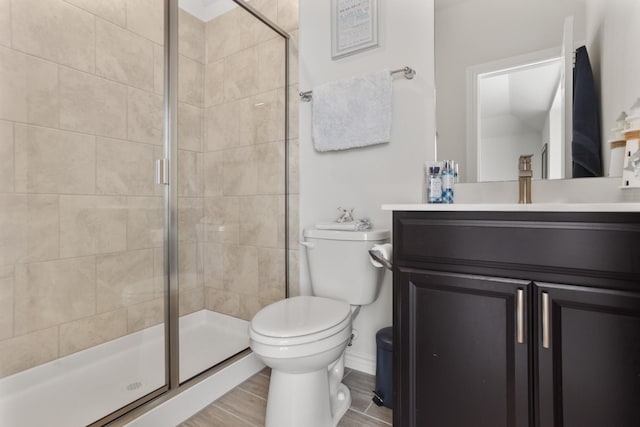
column 303, row 339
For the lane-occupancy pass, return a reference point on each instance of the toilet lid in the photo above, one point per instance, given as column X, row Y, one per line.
column 299, row 316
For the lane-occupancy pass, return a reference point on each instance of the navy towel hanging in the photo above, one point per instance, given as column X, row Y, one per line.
column 586, row 144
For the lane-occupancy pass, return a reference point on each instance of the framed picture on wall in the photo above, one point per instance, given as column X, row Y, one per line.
column 354, row 26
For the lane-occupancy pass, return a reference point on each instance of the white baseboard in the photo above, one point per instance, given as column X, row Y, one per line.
column 178, row 409
column 360, row 362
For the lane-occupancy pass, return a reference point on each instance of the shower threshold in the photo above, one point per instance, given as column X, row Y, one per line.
column 81, row 388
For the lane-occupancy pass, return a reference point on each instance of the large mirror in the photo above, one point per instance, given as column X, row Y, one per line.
column 503, row 88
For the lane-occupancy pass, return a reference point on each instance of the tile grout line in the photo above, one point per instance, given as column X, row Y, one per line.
column 371, row 417
column 232, row 414
column 377, row 418
column 251, row 393
column 80, row 70
column 84, row 133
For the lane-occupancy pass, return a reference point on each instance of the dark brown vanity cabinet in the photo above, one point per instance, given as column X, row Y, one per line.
column 466, row 364
column 516, row 319
column 588, row 356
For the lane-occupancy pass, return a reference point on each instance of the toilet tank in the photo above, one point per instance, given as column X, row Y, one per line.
column 339, row 265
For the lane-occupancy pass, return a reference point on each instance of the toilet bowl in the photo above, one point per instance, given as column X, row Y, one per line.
column 303, row 339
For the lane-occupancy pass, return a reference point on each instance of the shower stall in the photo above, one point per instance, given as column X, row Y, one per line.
column 144, row 203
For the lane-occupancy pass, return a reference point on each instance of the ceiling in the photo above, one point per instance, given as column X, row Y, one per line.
column 524, row 93
column 206, row 10
column 439, row 4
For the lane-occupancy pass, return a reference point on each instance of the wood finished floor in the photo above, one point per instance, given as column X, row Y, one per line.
column 246, row 404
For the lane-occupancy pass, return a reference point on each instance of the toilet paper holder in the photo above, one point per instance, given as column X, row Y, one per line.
column 378, row 256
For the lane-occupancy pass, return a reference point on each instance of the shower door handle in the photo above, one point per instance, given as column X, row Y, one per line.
column 162, row 171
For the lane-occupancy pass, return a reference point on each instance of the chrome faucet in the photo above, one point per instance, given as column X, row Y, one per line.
column 524, row 178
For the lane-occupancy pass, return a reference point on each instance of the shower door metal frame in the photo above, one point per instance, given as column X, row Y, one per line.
column 171, row 191
column 172, row 384
column 171, row 57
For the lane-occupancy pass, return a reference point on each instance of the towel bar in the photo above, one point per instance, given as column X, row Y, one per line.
column 409, row 73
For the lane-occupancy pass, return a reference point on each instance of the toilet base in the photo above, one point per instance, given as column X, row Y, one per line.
column 304, row 400
column 340, row 403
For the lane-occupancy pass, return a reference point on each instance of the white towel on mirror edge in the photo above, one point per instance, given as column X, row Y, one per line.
column 351, row 113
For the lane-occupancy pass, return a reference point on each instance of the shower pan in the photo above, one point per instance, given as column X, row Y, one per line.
column 143, row 198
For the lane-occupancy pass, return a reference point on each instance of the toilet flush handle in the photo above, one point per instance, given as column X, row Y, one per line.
column 308, row 245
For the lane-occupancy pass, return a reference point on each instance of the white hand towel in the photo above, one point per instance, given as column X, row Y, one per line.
column 353, row 112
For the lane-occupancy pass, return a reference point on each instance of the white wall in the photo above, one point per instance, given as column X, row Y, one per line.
column 577, row 190
column 496, row 151
column 613, row 42
column 555, row 149
column 473, row 32
column 366, row 178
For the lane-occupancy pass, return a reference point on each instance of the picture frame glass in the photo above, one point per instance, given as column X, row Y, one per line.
column 354, row 26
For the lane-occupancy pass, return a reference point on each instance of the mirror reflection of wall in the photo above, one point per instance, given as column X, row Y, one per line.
column 518, row 113
column 469, row 33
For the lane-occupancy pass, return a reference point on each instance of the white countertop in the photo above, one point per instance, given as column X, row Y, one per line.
column 515, row 207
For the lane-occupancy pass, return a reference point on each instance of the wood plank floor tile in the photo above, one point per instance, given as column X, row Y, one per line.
column 381, row 412
column 356, row 419
column 245, row 405
column 360, row 400
column 257, row 384
column 266, row 372
column 360, row 380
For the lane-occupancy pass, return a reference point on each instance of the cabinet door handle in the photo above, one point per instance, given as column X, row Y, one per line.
column 545, row 319
column 520, row 315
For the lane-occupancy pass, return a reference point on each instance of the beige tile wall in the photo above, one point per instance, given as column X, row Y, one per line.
column 80, row 125
column 244, row 149
column 80, row 216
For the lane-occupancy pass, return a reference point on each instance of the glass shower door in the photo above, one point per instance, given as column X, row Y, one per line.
column 231, row 178
column 82, row 301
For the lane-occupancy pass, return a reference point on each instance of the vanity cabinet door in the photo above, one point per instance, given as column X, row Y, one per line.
column 464, row 358
column 588, row 351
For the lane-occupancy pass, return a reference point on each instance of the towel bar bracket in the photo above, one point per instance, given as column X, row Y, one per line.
column 305, row 96
column 409, row 73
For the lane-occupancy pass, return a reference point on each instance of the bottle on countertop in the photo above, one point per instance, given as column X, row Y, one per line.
column 448, row 178
column 434, row 185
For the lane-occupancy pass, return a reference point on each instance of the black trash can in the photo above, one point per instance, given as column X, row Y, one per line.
column 384, row 368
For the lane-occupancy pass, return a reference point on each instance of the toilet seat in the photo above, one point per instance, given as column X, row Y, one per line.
column 299, row 320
